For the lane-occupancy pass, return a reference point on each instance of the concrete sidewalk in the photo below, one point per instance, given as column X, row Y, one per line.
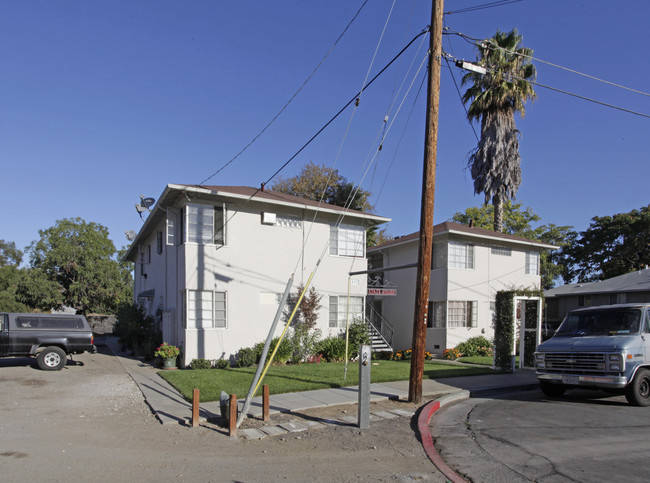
column 170, row 407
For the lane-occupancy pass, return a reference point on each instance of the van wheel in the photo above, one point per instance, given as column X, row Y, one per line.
column 637, row 392
column 551, row 390
column 51, row 359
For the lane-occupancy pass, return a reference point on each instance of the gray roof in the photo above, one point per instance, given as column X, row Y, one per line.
column 637, row 281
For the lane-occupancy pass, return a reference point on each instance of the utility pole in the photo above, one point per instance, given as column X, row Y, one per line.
column 426, row 212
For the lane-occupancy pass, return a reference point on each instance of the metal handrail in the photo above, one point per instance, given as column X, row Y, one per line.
column 384, row 327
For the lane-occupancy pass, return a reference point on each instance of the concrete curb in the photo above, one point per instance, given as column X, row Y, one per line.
column 427, row 440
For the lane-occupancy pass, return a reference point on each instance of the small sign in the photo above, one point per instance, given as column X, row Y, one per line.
column 387, row 292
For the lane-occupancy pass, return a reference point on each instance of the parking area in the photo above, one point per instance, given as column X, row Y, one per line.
column 90, row 423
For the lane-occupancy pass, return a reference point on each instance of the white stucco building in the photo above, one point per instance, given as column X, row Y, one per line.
column 470, row 265
column 215, row 260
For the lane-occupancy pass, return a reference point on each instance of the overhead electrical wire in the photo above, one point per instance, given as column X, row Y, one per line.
column 478, row 42
column 353, row 99
column 292, row 97
column 497, row 3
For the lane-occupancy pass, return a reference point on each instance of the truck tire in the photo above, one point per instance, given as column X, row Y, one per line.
column 51, row 359
column 551, row 390
column 637, row 392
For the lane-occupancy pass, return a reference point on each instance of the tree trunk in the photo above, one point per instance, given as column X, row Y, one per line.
column 497, row 202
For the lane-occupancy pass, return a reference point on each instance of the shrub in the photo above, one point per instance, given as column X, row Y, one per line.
column 200, row 364
column 332, row 349
column 281, row 356
column 451, row 354
column 222, row 364
column 358, row 334
column 476, row 346
column 137, row 332
column 245, row 357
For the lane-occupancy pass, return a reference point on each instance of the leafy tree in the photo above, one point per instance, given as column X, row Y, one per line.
column 518, row 221
column 10, row 258
column 303, row 337
column 611, row 246
column 495, row 164
column 9, row 254
column 73, row 264
column 320, row 183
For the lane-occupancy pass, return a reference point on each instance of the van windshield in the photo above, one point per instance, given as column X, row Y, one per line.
column 600, row 322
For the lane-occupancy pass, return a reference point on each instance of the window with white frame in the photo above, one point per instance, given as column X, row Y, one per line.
column 347, row 240
column 462, row 313
column 205, row 309
column 338, row 310
column 204, row 224
column 171, row 226
column 461, row 255
column 532, row 263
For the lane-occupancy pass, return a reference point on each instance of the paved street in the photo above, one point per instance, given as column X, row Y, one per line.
column 585, row 436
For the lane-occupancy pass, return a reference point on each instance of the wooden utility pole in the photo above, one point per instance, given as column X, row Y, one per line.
column 426, row 213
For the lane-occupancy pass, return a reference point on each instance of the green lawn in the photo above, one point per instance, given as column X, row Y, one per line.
column 303, row 377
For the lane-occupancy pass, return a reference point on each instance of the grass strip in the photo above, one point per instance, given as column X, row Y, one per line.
column 304, row 377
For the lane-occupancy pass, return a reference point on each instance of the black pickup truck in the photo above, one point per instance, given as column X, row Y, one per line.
column 48, row 337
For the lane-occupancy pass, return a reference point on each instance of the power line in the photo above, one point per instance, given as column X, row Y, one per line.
column 478, row 42
column 353, row 99
column 498, row 3
column 292, row 97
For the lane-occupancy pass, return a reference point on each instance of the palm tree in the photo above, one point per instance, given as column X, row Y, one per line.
column 495, row 164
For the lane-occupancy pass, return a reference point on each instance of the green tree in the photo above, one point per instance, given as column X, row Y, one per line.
column 494, row 99
column 74, row 264
column 10, row 258
column 611, row 246
column 319, row 183
column 9, row 254
column 519, row 221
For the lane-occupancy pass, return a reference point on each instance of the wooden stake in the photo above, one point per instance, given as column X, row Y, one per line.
column 196, row 398
column 265, row 402
column 232, row 416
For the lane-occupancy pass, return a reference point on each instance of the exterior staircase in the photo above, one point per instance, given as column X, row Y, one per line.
column 381, row 330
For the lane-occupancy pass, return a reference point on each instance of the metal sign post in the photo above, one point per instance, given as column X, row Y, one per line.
column 365, row 363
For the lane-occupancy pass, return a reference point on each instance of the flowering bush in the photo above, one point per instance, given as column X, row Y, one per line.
column 427, row 356
column 451, row 354
column 476, row 346
column 167, row 351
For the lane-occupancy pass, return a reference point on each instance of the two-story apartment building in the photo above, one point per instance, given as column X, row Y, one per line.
column 214, row 261
column 470, row 265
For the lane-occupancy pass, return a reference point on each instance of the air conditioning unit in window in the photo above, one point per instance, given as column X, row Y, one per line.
column 268, row 218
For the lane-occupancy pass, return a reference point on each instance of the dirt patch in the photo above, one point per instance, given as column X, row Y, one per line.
column 91, row 422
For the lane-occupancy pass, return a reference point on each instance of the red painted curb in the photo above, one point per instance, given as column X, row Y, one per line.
column 427, row 442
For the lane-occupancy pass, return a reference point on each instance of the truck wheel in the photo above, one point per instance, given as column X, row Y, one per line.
column 51, row 359
column 551, row 390
column 637, row 392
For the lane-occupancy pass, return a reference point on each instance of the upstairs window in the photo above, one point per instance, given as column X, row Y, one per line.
column 204, row 224
column 461, row 255
column 347, row 240
column 532, row 263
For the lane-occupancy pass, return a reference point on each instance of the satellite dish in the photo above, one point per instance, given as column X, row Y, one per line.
column 147, row 202
column 130, row 235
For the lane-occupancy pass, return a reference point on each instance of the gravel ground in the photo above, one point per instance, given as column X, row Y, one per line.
column 89, row 422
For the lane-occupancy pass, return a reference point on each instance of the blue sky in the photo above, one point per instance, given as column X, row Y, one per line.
column 103, row 101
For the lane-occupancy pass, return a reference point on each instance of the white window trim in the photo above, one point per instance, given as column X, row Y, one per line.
column 347, row 238
column 469, row 262
column 186, row 310
column 202, row 208
column 340, row 302
column 533, row 268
